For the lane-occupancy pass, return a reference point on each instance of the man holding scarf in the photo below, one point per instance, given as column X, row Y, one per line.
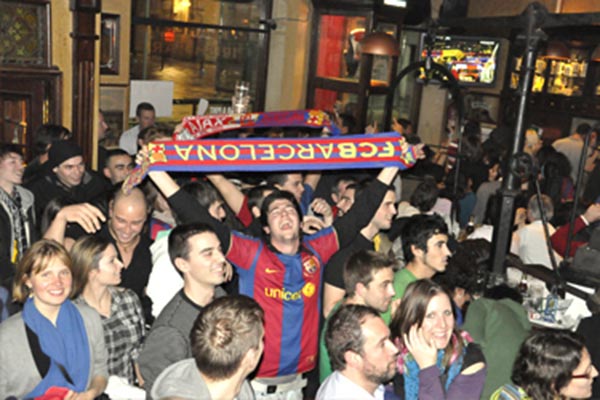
column 282, row 272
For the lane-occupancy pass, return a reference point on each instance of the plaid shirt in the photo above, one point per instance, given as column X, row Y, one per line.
column 123, row 332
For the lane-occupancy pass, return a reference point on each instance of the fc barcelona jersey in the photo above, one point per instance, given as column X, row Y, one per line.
column 288, row 289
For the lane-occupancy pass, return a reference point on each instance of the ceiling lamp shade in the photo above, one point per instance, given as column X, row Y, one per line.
column 557, row 51
column 380, row 44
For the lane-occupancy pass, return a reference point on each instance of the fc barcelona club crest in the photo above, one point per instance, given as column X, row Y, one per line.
column 310, row 264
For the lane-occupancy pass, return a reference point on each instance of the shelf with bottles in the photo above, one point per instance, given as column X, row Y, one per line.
column 567, row 78
column 564, row 77
column 539, row 77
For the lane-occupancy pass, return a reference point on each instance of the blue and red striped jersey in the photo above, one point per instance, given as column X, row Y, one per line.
column 288, row 287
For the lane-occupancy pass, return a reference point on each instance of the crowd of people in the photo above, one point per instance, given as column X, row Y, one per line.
column 346, row 284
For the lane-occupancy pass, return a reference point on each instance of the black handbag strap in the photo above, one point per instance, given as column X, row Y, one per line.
column 42, row 361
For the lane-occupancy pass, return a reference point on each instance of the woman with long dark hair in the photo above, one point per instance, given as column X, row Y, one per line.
column 437, row 360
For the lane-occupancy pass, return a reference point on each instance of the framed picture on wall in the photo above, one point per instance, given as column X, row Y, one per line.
column 113, row 103
column 109, row 44
column 114, row 120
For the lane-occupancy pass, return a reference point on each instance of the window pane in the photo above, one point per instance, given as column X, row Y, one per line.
column 201, row 11
column 201, row 61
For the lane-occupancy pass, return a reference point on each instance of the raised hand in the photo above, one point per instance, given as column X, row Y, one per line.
column 396, row 126
column 322, row 207
column 311, row 224
column 371, row 129
column 592, row 214
column 89, row 217
column 424, row 351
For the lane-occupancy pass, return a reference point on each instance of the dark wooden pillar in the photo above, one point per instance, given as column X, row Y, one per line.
column 84, row 40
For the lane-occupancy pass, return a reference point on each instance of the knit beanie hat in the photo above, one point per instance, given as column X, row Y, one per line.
column 61, row 151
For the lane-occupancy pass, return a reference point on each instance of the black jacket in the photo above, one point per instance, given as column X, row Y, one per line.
column 92, row 188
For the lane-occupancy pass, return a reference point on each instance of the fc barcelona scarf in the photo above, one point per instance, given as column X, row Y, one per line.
column 197, row 127
column 265, row 154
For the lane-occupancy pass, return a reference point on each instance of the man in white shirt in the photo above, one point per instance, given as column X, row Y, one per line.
column 529, row 242
column 571, row 146
column 145, row 115
column 361, row 353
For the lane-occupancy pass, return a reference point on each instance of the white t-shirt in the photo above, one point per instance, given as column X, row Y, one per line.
column 164, row 281
column 338, row 387
column 128, row 140
column 530, row 242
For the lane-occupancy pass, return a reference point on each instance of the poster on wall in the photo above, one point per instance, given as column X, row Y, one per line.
column 157, row 93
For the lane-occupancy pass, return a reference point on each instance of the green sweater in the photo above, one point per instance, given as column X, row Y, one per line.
column 402, row 279
column 499, row 327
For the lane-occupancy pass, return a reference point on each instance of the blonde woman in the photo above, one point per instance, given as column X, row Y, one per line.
column 53, row 346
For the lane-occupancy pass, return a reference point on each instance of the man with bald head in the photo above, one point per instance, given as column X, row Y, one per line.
column 127, row 214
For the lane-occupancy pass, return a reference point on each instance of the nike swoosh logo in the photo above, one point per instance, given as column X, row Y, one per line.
column 270, row 271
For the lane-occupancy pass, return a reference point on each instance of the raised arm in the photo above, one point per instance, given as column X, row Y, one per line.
column 559, row 238
column 387, row 175
column 364, row 208
column 230, row 192
column 312, row 179
column 89, row 217
column 164, row 183
column 187, row 208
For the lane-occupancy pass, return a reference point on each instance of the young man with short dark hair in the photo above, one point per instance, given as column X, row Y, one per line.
column 283, row 272
column 425, row 248
column 302, row 188
column 334, row 288
column 195, row 251
column 145, row 115
column 117, row 165
column 368, row 280
column 17, row 213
